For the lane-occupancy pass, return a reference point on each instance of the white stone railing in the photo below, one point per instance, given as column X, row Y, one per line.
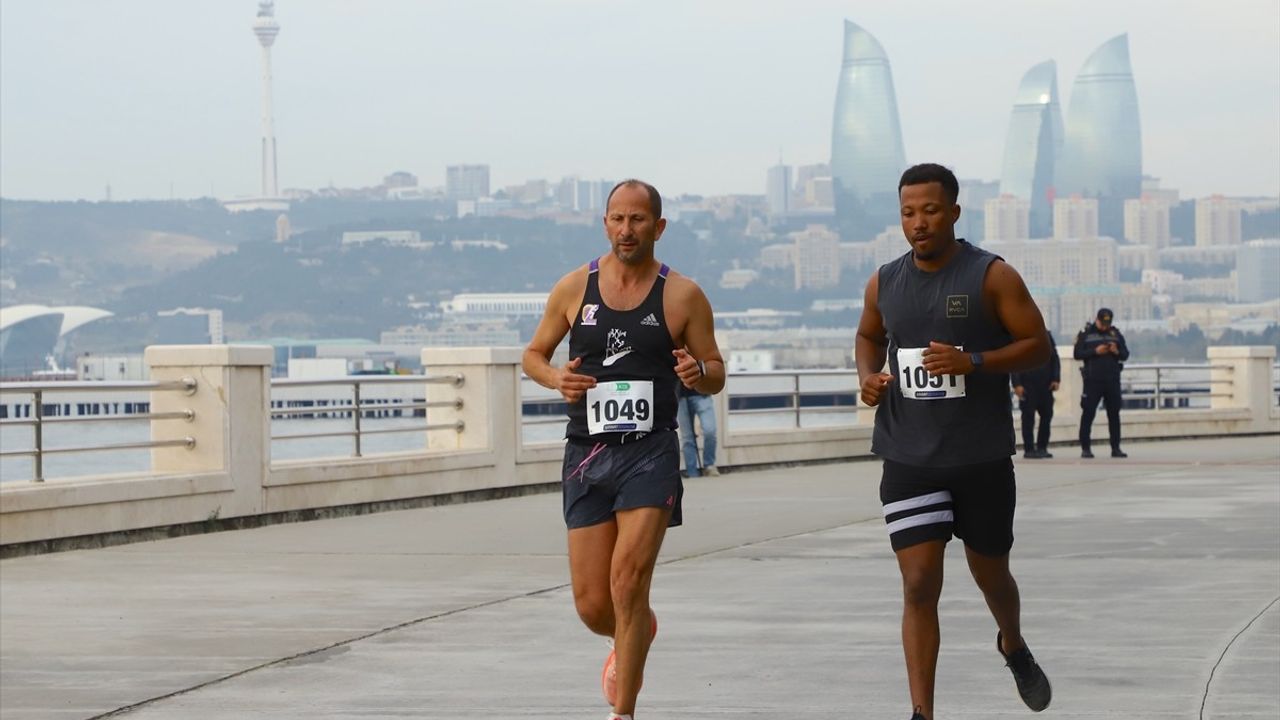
column 227, row 477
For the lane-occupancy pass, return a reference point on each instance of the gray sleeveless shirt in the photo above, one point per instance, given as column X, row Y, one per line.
column 946, row 421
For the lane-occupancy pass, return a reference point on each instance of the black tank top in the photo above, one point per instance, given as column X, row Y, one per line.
column 621, row 346
column 945, row 306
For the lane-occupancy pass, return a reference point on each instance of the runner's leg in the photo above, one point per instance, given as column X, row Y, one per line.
column 639, row 537
column 1001, row 592
column 590, row 555
column 921, row 568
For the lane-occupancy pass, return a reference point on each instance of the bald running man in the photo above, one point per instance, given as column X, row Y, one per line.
column 637, row 330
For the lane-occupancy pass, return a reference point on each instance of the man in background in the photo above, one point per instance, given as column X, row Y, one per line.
column 1035, row 389
column 1100, row 346
column 695, row 404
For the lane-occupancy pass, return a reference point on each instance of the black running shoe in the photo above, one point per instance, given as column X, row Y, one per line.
column 915, row 715
column 1118, row 453
column 1087, row 454
column 1033, row 684
column 1046, row 454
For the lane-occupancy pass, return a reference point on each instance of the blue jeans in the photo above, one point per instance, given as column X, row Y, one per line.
column 704, row 406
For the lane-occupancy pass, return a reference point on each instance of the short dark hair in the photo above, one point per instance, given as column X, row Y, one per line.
column 655, row 199
column 931, row 172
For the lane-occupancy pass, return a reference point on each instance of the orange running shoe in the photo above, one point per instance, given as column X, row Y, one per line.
column 609, row 676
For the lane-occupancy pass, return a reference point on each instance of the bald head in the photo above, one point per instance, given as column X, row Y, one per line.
column 655, row 199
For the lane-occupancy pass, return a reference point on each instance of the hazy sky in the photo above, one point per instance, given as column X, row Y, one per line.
column 700, row 96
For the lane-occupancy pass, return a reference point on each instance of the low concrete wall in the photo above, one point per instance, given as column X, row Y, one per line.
column 229, row 474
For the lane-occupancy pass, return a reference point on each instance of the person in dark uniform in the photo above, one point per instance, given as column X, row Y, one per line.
column 1035, row 389
column 952, row 321
column 637, row 330
column 1100, row 346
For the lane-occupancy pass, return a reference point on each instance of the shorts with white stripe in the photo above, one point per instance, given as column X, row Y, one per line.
column 971, row 502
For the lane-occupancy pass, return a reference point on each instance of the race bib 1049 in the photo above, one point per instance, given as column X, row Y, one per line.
column 916, row 383
column 620, row 406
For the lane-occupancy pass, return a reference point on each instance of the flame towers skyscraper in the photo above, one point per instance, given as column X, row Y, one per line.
column 1102, row 156
column 266, row 28
column 866, row 139
column 1034, row 145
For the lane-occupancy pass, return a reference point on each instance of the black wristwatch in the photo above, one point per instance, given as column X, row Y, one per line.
column 976, row 360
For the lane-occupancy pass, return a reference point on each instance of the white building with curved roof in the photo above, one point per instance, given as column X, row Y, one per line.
column 29, row 334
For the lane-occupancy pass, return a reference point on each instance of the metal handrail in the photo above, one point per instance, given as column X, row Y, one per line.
column 37, row 390
column 789, row 409
column 458, row 425
column 456, row 380
column 545, row 420
column 807, row 372
column 357, row 407
column 187, row 442
column 317, row 409
column 187, row 385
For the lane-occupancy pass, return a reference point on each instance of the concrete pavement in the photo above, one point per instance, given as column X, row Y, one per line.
column 1149, row 585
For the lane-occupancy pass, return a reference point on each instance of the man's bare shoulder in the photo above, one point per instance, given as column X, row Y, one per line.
column 681, row 286
column 1001, row 276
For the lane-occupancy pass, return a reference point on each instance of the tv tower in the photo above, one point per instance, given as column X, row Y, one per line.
column 266, row 28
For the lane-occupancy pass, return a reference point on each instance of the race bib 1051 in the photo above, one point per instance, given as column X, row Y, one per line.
column 916, row 383
column 620, row 406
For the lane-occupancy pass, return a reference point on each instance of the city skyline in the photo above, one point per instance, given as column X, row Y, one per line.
column 152, row 114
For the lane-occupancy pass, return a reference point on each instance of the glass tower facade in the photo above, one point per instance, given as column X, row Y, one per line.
column 1102, row 154
column 1034, row 145
column 867, row 158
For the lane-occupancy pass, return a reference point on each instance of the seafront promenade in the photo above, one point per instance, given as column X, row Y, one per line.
column 1150, row 590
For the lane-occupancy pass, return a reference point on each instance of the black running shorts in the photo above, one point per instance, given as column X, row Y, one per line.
column 599, row 480
column 973, row 502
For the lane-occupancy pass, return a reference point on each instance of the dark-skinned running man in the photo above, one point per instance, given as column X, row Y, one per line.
column 953, row 321
column 637, row 330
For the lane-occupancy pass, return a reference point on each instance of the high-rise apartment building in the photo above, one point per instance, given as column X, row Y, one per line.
column 1006, row 218
column 1033, row 145
column 819, row 192
column 778, row 190
column 1151, row 188
column 1146, row 222
column 1258, row 271
column 1075, row 218
column 805, row 173
column 1218, row 221
column 466, row 182
column 1061, row 263
column 817, row 257
column 867, row 156
column 591, row 195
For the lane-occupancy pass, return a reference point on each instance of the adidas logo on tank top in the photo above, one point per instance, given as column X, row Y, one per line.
column 650, row 320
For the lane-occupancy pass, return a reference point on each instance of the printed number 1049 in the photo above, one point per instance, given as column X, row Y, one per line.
column 612, row 410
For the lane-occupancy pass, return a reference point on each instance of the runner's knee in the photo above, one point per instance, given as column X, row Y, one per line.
column 627, row 581
column 921, row 587
column 595, row 611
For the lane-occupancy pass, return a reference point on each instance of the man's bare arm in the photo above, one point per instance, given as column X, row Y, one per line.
column 1019, row 314
column 700, row 342
column 547, row 337
column 871, row 346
